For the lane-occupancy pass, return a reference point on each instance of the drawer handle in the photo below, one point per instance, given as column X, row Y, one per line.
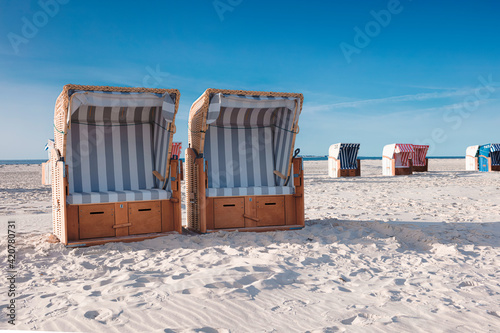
column 229, row 205
column 270, row 204
column 251, row 218
column 94, row 213
column 116, row 226
column 144, row 210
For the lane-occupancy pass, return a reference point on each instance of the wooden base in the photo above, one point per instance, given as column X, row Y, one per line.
column 421, row 168
column 90, row 222
column 495, row 168
column 348, row 173
column 231, row 213
column 403, row 171
column 257, row 212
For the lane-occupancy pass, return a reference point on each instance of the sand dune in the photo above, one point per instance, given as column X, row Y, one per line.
column 390, row 254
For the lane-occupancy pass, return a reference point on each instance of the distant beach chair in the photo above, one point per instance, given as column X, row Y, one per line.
column 419, row 161
column 471, row 158
column 489, row 157
column 241, row 170
column 343, row 160
column 112, row 175
column 46, row 166
column 396, row 159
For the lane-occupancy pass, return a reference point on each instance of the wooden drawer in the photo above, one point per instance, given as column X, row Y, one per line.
column 144, row 217
column 228, row 213
column 96, row 221
column 348, row 173
column 270, row 210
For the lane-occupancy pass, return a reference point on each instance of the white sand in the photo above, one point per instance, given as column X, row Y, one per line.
column 389, row 254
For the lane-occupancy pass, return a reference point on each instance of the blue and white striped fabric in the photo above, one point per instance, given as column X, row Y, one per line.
column 248, row 138
column 112, row 151
column 243, row 191
column 166, row 102
column 348, row 155
column 117, row 196
column 495, row 154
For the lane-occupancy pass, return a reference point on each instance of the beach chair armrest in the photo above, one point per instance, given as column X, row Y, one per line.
column 159, row 176
column 279, row 174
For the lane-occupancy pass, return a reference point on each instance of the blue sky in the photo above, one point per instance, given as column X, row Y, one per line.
column 425, row 72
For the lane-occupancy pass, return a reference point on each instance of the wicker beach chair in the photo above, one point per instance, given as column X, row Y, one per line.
column 343, row 160
column 489, row 157
column 112, row 175
column 241, row 172
column 471, row 158
column 396, row 159
column 419, row 161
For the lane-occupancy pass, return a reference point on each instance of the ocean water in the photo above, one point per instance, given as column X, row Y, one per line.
column 7, row 162
column 306, row 158
column 324, row 158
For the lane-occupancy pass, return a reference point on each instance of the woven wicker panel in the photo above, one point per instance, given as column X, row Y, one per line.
column 197, row 128
column 191, row 185
column 60, row 130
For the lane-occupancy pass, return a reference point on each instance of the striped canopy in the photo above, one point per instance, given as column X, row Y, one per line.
column 401, row 152
column 495, row 154
column 491, row 150
column 419, row 154
column 347, row 153
column 248, row 138
column 495, row 147
column 114, row 143
column 404, row 148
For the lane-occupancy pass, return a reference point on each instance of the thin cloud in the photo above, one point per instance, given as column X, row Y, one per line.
column 393, row 99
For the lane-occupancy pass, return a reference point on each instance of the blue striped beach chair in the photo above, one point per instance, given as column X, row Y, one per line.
column 112, row 175
column 489, row 157
column 241, row 172
column 343, row 160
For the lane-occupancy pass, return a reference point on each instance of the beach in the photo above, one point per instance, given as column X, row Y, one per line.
column 417, row 253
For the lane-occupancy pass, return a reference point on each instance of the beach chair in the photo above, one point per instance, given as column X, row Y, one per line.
column 46, row 166
column 241, row 172
column 396, row 159
column 471, row 158
column 343, row 161
column 419, row 161
column 489, row 157
column 112, row 175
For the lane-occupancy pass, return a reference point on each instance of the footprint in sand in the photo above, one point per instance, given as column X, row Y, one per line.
column 468, row 284
column 399, row 282
column 180, row 276
column 360, row 319
column 91, row 314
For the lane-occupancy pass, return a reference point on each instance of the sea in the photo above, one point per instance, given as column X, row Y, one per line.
column 305, row 157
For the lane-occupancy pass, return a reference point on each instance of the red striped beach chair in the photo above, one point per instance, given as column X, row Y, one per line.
column 419, row 160
column 396, row 159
